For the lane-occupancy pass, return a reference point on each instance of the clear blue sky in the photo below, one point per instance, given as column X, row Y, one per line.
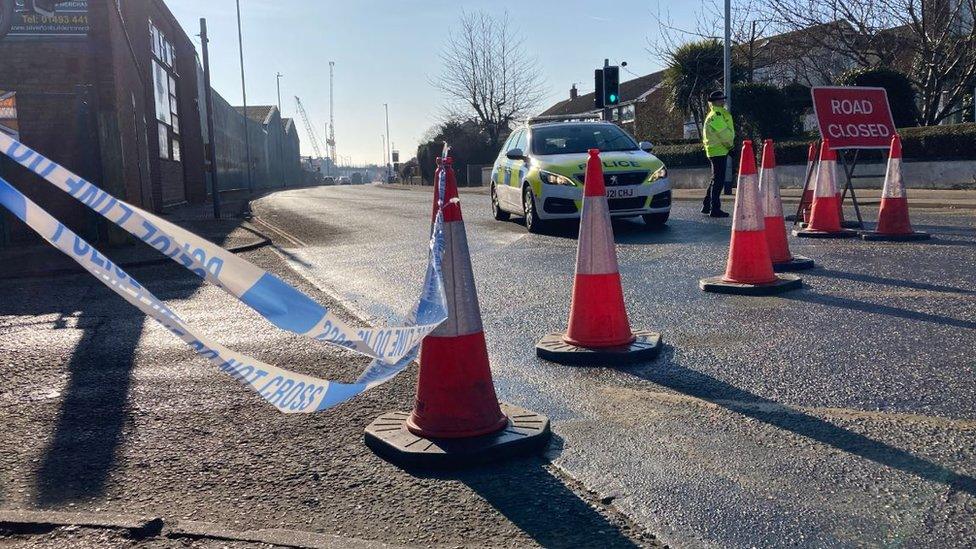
column 386, row 50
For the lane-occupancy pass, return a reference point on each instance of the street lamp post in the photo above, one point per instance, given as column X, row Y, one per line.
column 727, row 77
column 386, row 155
column 247, row 133
column 278, row 82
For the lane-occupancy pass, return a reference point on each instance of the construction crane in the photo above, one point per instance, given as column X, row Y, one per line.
column 308, row 128
column 331, row 137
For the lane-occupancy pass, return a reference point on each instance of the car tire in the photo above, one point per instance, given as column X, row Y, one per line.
column 533, row 223
column 656, row 220
column 496, row 209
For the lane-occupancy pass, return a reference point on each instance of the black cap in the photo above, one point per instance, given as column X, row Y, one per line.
column 717, row 95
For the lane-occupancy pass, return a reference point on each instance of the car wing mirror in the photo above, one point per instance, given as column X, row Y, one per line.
column 646, row 146
column 515, row 154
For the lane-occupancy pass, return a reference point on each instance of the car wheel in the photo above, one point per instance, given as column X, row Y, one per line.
column 532, row 221
column 496, row 209
column 656, row 220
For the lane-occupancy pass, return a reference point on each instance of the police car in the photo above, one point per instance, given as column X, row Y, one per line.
column 539, row 173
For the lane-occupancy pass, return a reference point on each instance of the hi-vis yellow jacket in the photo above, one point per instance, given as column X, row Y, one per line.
column 719, row 132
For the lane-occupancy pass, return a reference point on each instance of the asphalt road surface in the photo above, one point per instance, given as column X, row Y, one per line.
column 838, row 415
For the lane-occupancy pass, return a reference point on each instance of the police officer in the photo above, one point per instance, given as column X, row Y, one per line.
column 719, row 134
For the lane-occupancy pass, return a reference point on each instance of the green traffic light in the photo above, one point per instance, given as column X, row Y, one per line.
column 613, row 98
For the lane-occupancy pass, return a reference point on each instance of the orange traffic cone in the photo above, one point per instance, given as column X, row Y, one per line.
column 456, row 410
column 806, row 200
column 893, row 222
column 599, row 330
column 825, row 215
column 750, row 268
column 779, row 248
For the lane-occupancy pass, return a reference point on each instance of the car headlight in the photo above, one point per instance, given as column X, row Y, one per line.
column 660, row 174
column 550, row 178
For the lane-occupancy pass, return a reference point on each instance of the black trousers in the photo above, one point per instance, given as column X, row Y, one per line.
column 713, row 195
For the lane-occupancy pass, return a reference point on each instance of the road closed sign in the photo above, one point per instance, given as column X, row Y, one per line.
column 854, row 117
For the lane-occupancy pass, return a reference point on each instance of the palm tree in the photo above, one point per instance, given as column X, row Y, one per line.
column 694, row 70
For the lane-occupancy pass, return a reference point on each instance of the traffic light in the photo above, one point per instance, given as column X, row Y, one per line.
column 611, row 85
column 599, row 99
column 606, row 82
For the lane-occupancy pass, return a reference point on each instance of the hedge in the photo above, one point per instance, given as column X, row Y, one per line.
column 931, row 143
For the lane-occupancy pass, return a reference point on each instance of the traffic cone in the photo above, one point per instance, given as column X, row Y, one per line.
column 599, row 330
column 779, row 248
column 750, row 268
column 806, row 200
column 825, row 215
column 893, row 222
column 456, row 411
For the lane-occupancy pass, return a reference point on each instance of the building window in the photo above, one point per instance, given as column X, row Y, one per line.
column 627, row 113
column 164, row 88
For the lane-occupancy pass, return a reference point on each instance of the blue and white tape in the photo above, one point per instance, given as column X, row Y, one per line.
column 392, row 348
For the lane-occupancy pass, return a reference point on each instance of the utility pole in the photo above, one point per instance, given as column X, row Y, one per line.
column 247, row 133
column 281, row 151
column 386, row 157
column 383, row 146
column 212, row 146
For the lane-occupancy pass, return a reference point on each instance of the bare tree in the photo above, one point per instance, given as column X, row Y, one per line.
column 487, row 75
column 748, row 29
column 932, row 41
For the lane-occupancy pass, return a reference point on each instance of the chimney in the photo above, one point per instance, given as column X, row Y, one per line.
column 573, row 92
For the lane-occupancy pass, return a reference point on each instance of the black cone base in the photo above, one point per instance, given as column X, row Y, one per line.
column 880, row 237
column 851, row 224
column 644, row 348
column 526, row 432
column 784, row 283
column 811, row 233
column 798, row 263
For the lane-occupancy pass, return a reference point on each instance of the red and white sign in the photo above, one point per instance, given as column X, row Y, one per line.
column 854, row 117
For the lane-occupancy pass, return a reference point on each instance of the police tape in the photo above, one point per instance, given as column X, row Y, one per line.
column 279, row 303
column 392, row 348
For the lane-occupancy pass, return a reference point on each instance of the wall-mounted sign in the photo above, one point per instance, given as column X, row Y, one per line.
column 69, row 20
column 8, row 114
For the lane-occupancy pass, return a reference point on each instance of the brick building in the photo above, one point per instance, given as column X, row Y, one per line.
column 116, row 96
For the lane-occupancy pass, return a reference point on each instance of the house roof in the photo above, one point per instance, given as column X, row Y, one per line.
column 289, row 124
column 258, row 113
column 789, row 45
column 630, row 91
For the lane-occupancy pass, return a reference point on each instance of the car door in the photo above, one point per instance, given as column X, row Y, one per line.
column 513, row 174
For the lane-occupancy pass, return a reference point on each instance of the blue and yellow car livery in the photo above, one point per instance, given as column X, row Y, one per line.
column 539, row 174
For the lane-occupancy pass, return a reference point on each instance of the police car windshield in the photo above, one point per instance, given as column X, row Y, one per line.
column 579, row 138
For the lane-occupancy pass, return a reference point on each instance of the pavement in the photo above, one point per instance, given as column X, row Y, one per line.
column 838, row 415
column 116, row 435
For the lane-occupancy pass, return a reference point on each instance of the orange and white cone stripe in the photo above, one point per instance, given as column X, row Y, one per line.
column 825, row 215
column 455, row 393
column 893, row 219
column 598, row 316
column 749, row 261
column 779, row 247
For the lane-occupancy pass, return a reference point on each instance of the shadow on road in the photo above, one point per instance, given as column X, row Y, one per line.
column 667, row 373
column 539, row 504
column 93, row 410
column 89, row 427
column 874, row 308
column 884, row 281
